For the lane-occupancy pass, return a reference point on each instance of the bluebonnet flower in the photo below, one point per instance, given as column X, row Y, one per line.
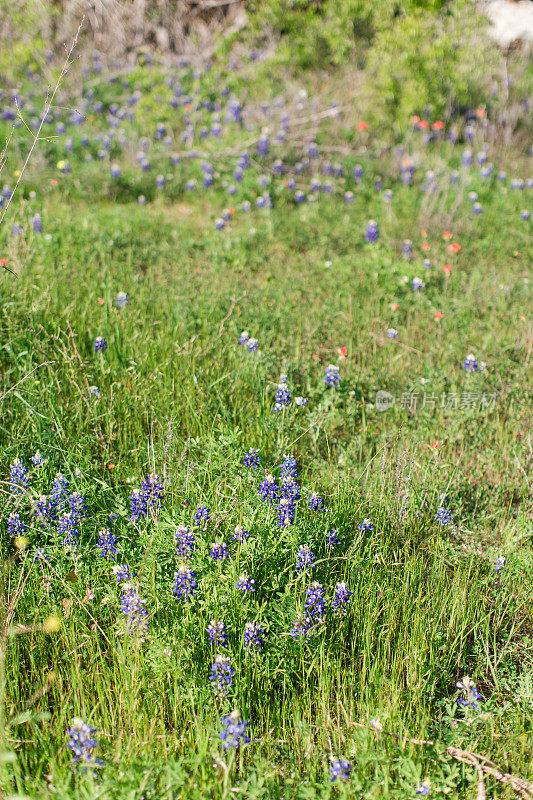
column 472, row 196
column 366, row 525
column 220, row 224
column 312, row 150
column 283, row 395
column 332, row 375
column 372, row 231
column 301, row 401
column 477, row 208
column 37, row 224
column 427, row 263
column 245, row 583
column 525, row 215
column 37, row 460
column 82, row 744
column 251, row 459
column 45, row 508
column 357, row 172
column 424, row 788
column 304, row 559
column 202, row 514
column 269, row 490
column 252, row 345
column 348, row 197
column 316, row 502
column 240, row 534
column 122, row 299
column 115, row 171
column 417, row 284
column 59, row 494
column 222, row 674
column 150, row 495
column 444, row 517
column 185, row 583
column 470, row 363
column 342, row 597
column 78, row 505
column 184, row 541
column 299, row 197
column 289, row 467
column 132, row 606
column 107, row 542
column 302, row 627
column 407, row 249
column 15, row 525
column 392, row 333
column 333, row 539
column 471, row 697
column 40, row 555
column 315, row 603
column 234, row 733
column 122, row 572
column 253, row 636
column 100, row 344
column 67, row 526
column 216, row 633
column 263, row 145
column 516, row 183
column 244, row 337
column 219, row 551
column 501, row 561
column 466, row 158
column 340, row 768
column 18, row 476
column 285, row 510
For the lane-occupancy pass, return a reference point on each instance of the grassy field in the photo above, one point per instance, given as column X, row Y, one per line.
column 430, row 498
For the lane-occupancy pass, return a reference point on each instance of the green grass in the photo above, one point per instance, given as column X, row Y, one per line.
column 178, row 396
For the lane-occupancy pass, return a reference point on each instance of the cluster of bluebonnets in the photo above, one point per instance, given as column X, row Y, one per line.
column 208, row 137
column 56, row 519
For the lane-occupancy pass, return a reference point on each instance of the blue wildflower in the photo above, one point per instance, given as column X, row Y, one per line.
column 217, row 634
column 366, row 525
column 444, row 517
column 185, row 583
column 372, row 231
column 245, row 583
column 132, row 606
column 342, row 597
column 333, row 539
column 222, row 674
column 240, row 534
column 253, row 636
column 332, row 375
column 304, row 559
column 234, row 733
column 82, row 744
column 100, row 344
column 470, row 695
column 184, row 542
column 340, row 768
column 107, row 542
column 269, row 490
column 316, row 502
column 251, row 459
column 219, row 551
column 18, row 476
column 15, row 525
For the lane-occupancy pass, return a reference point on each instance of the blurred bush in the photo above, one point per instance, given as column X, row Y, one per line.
column 439, row 64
